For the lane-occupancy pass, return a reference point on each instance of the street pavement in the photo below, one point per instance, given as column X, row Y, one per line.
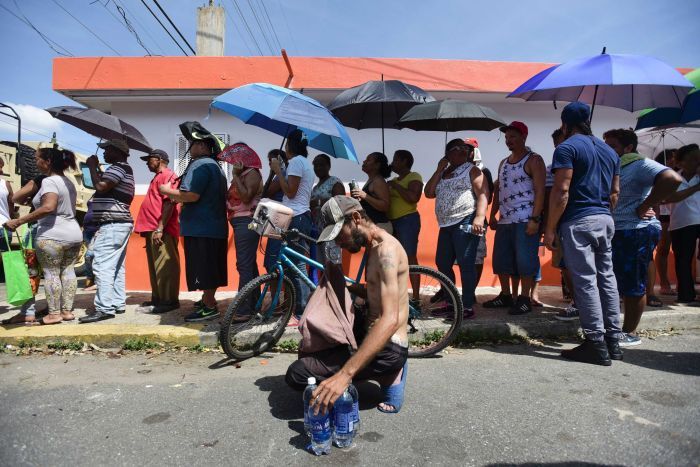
column 493, row 405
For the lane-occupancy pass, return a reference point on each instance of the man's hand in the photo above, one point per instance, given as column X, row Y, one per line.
column 493, row 222
column 532, row 227
column 478, row 225
column 549, row 239
column 93, row 162
column 644, row 212
column 12, row 224
column 275, row 166
column 329, row 391
column 157, row 237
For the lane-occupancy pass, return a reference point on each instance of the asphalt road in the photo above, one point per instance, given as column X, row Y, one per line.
column 500, row 405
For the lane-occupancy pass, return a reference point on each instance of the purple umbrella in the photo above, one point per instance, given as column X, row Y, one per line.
column 630, row 82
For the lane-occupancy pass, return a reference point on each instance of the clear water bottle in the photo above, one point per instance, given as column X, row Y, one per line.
column 468, row 229
column 311, row 386
column 343, row 420
column 321, row 433
column 355, row 408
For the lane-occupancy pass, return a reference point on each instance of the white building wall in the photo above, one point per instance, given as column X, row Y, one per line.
column 158, row 121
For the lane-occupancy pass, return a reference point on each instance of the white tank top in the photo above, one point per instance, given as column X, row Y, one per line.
column 4, row 207
column 516, row 192
column 454, row 198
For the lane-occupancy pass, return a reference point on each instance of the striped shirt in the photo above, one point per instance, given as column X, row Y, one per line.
column 113, row 206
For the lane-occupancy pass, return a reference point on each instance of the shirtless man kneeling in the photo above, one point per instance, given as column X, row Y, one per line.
column 382, row 354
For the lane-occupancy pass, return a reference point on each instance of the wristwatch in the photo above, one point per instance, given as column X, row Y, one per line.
column 158, row 231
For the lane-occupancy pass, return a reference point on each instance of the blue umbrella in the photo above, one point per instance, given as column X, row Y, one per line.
column 281, row 110
column 630, row 82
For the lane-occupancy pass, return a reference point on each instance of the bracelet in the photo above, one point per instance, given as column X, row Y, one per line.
column 537, row 219
column 158, row 231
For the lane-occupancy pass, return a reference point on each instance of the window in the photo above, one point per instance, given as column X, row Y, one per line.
column 182, row 157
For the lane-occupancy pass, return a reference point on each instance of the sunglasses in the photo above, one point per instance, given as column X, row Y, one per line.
column 456, row 147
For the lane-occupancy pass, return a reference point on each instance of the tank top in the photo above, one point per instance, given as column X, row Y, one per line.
column 454, row 198
column 4, row 207
column 235, row 207
column 516, row 192
column 377, row 216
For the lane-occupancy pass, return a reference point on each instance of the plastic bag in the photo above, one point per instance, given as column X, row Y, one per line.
column 19, row 288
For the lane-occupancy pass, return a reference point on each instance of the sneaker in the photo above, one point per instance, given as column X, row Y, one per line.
column 570, row 314
column 521, row 306
column 202, row 314
column 439, row 296
column 594, row 352
column 468, row 313
column 614, row 348
column 629, row 340
column 198, row 304
column 501, row 301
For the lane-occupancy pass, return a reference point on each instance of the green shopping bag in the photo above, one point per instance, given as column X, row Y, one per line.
column 19, row 289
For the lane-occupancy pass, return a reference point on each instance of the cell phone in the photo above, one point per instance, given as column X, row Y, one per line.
column 87, row 178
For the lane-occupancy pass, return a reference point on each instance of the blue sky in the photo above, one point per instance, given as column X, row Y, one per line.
column 536, row 30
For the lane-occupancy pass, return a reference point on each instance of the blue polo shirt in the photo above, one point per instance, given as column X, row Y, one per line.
column 594, row 165
column 207, row 216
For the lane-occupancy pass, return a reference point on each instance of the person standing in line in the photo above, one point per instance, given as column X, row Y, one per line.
column 663, row 248
column 643, row 185
column 7, row 206
column 327, row 187
column 685, row 220
column 158, row 223
column 203, row 225
column 586, row 188
column 519, row 199
column 459, row 190
column 296, row 185
column 89, row 231
column 374, row 195
column 272, row 190
column 58, row 238
column 114, row 192
column 481, row 250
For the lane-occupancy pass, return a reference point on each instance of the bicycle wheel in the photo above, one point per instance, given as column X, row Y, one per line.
column 251, row 326
column 435, row 311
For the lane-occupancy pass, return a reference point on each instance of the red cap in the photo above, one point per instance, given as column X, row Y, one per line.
column 515, row 125
column 472, row 142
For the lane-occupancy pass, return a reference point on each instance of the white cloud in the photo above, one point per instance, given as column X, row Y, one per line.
column 33, row 118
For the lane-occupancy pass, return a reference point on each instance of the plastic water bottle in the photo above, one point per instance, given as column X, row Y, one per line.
column 320, row 431
column 311, row 386
column 355, row 409
column 468, row 229
column 343, row 420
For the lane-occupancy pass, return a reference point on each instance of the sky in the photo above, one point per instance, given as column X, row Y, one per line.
column 536, row 30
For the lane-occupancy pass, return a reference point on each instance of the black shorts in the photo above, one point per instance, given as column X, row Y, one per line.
column 205, row 262
column 664, row 218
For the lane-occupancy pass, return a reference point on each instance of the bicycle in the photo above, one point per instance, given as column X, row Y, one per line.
column 258, row 315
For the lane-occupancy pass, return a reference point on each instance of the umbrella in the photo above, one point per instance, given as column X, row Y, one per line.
column 101, row 125
column 281, row 110
column 377, row 104
column 666, row 116
column 241, row 153
column 630, row 82
column 650, row 142
column 451, row 115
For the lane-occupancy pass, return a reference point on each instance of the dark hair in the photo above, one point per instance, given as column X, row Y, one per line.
column 454, row 143
column 277, row 153
column 556, row 134
column 59, row 159
column 664, row 156
column 384, row 169
column 685, row 150
column 582, row 127
column 625, row 137
column 405, row 156
column 325, row 157
column 298, row 143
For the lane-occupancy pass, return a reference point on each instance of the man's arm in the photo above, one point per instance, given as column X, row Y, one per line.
column 557, row 203
column 614, row 192
column 537, row 170
column 665, row 184
column 386, row 325
column 683, row 194
column 493, row 222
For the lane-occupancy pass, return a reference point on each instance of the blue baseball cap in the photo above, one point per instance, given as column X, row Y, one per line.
column 576, row 112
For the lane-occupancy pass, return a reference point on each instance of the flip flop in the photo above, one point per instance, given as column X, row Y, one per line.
column 653, row 300
column 393, row 395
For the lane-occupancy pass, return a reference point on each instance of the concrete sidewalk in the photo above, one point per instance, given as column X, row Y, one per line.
column 170, row 328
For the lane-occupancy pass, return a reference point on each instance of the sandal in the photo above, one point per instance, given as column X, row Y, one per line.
column 393, row 395
column 44, row 322
column 667, row 291
column 20, row 318
column 67, row 315
column 536, row 303
column 653, row 300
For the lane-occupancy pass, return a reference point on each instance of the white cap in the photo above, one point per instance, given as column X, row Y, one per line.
column 311, row 380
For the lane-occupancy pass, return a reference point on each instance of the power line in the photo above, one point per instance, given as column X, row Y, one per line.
column 164, row 28
column 148, row 33
column 262, row 31
column 87, row 28
column 123, row 23
column 173, row 25
column 272, row 27
column 131, row 28
column 50, row 42
column 245, row 23
column 24, row 128
column 286, row 24
column 240, row 34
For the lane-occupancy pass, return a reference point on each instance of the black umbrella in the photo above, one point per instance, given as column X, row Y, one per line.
column 377, row 104
column 101, row 125
column 451, row 115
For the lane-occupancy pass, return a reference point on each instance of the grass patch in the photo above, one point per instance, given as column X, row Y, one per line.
column 61, row 345
column 288, row 345
column 27, row 343
column 141, row 343
column 196, row 348
column 473, row 338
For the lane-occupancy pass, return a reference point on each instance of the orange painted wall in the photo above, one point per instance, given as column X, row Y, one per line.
column 137, row 267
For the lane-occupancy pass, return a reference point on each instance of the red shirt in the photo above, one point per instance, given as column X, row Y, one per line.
column 152, row 207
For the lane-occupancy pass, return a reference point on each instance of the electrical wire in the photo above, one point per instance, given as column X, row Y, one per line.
column 240, row 34
column 50, row 42
column 262, row 31
column 24, row 128
column 247, row 26
column 286, row 24
column 173, row 25
column 131, row 28
column 148, row 33
column 272, row 27
column 87, row 28
column 123, row 23
column 164, row 28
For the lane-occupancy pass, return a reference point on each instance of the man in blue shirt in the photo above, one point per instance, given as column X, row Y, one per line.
column 586, row 187
column 643, row 184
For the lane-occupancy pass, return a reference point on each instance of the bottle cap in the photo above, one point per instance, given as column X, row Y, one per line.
column 311, row 380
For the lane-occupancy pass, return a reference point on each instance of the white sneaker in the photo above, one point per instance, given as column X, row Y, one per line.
column 628, row 340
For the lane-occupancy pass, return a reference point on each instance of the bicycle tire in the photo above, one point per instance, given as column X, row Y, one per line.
column 439, row 321
column 235, row 336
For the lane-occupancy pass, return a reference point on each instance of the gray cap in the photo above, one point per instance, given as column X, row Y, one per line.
column 159, row 153
column 333, row 215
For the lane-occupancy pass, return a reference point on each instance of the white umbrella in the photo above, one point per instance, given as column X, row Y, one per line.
column 652, row 141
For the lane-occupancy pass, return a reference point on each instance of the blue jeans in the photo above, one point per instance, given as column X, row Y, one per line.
column 406, row 231
column 515, row 253
column 587, row 247
column 246, row 242
column 108, row 265
column 303, row 224
column 456, row 244
column 88, row 235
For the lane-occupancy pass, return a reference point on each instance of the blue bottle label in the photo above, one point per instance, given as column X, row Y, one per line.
column 343, row 422
column 355, row 412
column 321, row 430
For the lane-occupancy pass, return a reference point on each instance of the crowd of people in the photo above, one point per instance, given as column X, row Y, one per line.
column 602, row 208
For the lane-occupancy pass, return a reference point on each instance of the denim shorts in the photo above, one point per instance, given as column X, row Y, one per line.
column 632, row 251
column 515, row 253
column 406, row 230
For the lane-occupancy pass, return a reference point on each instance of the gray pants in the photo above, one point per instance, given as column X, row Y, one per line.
column 587, row 247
